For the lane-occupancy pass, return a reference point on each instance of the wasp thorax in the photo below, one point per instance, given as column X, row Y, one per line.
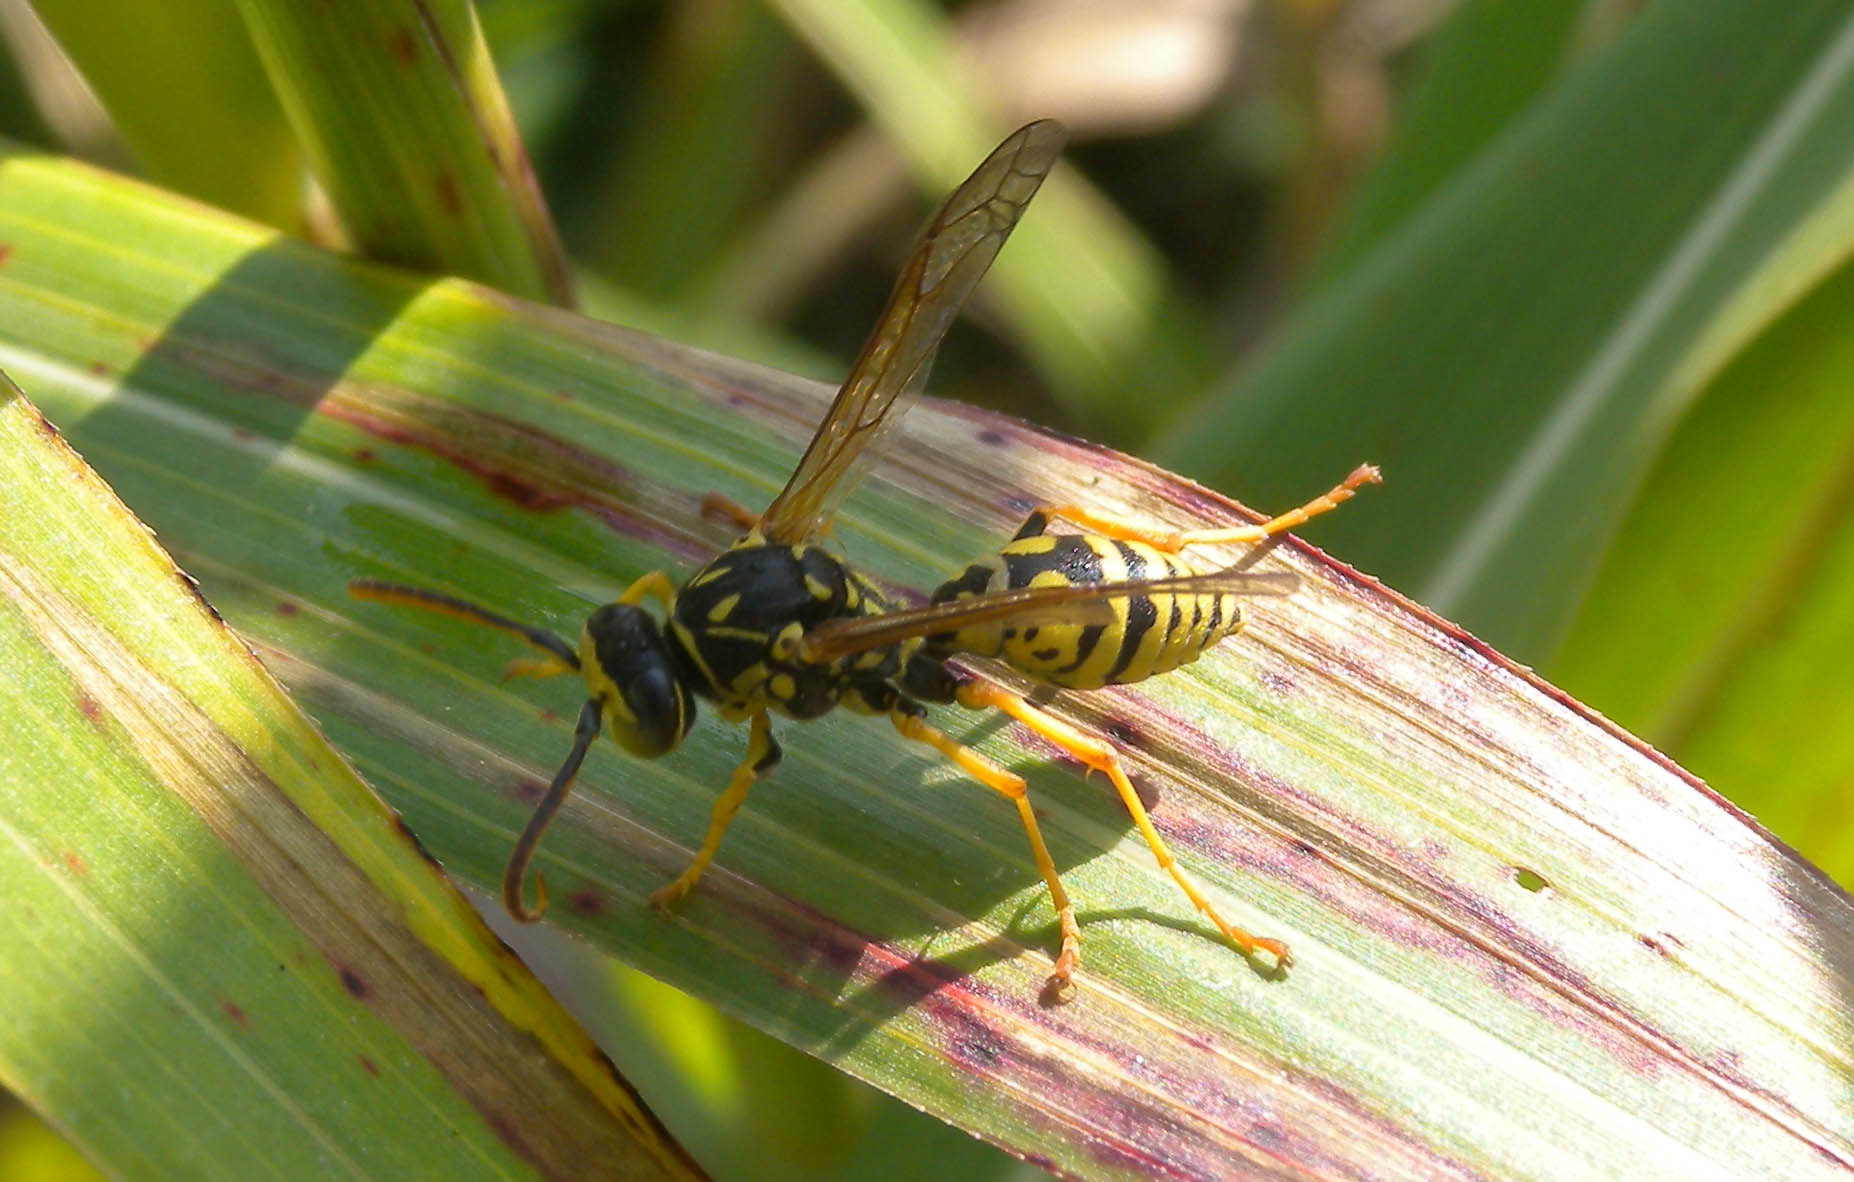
column 631, row 672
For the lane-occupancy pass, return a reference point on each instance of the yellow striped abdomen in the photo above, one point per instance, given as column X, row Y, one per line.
column 1125, row 639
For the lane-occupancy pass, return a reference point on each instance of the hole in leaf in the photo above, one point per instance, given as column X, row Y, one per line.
column 1529, row 880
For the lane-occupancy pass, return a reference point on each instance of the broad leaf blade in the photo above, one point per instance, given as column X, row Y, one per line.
column 1526, row 944
column 195, row 882
column 1475, row 74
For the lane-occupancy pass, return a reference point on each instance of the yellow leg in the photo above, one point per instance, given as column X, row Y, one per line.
column 1101, row 757
column 762, row 757
column 1173, row 540
column 1012, row 786
column 655, row 583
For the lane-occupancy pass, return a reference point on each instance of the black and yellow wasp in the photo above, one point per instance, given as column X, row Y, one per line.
column 778, row 623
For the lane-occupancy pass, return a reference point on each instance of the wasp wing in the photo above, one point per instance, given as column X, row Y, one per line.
column 1085, row 603
column 953, row 254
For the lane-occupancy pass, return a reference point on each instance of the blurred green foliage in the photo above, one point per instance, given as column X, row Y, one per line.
column 1344, row 216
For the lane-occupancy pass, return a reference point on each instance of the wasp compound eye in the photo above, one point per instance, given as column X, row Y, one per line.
column 629, row 667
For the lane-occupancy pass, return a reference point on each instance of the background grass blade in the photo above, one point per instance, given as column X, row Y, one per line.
column 1527, row 944
column 404, row 121
column 188, row 79
column 194, row 880
column 1476, row 75
column 1518, row 349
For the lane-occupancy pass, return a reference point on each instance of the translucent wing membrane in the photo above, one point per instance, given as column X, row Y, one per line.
column 1023, row 606
column 954, row 252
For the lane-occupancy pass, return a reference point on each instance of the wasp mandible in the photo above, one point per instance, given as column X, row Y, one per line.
column 779, row 624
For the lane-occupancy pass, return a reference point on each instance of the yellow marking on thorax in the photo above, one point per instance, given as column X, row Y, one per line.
column 691, row 650
column 723, row 607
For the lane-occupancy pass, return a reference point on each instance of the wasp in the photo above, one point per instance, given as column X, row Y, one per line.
column 780, row 624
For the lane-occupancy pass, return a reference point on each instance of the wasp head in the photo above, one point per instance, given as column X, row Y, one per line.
column 629, row 669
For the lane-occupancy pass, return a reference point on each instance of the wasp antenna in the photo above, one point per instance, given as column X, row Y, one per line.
column 375, row 591
column 543, row 815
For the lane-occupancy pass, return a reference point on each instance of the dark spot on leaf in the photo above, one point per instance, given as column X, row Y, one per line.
column 550, row 715
column 89, row 708
column 98, row 368
column 527, row 791
column 403, row 46
column 1266, row 1136
column 75, row 864
column 235, row 1012
column 1302, row 848
column 370, row 1067
column 364, row 455
column 1124, row 734
column 585, row 903
column 286, row 608
column 1278, row 683
column 449, row 197
column 990, row 437
column 240, row 435
column 978, row 1052
column 1530, row 880
column 6, row 252
column 354, row 983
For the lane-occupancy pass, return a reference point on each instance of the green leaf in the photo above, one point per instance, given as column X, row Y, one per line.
column 1719, row 625
column 404, row 121
column 187, row 93
column 1516, row 351
column 1525, row 943
column 195, row 882
column 1476, row 74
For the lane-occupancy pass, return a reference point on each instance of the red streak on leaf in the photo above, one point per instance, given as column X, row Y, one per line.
column 403, row 46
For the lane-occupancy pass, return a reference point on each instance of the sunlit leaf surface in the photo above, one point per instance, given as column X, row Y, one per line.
column 223, row 957
column 1526, row 945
